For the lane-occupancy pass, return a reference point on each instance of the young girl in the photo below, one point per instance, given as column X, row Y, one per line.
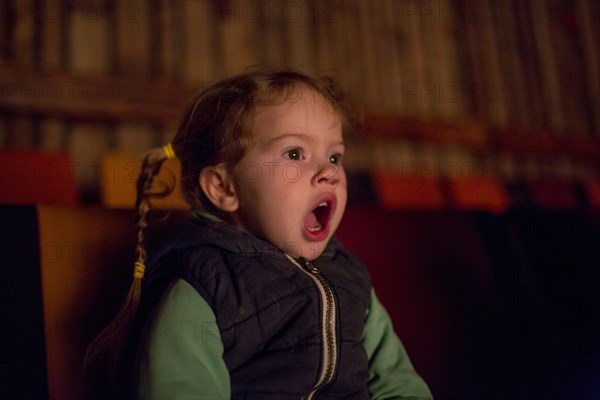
column 253, row 298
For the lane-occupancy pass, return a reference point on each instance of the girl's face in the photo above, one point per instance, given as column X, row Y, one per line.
column 290, row 184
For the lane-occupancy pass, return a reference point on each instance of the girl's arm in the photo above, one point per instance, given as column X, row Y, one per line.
column 183, row 355
column 391, row 374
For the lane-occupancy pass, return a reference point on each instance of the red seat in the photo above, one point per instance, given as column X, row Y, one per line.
column 28, row 177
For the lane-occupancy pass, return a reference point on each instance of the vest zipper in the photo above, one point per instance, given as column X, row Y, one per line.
column 328, row 326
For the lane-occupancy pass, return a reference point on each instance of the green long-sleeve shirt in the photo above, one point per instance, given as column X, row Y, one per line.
column 183, row 358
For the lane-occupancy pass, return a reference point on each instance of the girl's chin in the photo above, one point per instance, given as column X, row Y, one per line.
column 308, row 250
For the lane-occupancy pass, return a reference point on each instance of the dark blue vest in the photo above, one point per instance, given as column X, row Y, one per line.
column 269, row 312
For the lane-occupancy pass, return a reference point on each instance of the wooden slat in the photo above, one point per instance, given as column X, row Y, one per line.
column 90, row 98
column 390, row 125
column 577, row 146
column 479, row 137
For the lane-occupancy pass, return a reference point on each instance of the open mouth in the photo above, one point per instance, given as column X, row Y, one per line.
column 318, row 217
column 316, row 222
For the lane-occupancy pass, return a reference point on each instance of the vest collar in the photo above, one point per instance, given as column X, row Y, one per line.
column 202, row 230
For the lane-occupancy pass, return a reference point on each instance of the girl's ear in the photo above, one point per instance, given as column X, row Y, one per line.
column 218, row 186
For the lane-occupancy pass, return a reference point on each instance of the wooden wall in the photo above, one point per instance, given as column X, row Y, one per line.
column 512, row 83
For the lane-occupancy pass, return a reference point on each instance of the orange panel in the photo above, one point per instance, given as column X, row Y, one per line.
column 398, row 191
column 119, row 175
column 479, row 194
column 86, row 265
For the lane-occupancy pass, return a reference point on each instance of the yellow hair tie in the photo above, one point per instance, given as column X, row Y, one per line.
column 169, row 152
column 138, row 269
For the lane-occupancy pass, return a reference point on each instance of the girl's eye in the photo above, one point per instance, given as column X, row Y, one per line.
column 294, row 154
column 335, row 159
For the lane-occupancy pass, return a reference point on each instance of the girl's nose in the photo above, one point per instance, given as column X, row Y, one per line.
column 326, row 173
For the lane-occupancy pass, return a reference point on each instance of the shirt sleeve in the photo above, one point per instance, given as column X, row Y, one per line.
column 183, row 357
column 391, row 373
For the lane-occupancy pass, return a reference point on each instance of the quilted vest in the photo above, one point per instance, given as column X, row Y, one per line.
column 291, row 329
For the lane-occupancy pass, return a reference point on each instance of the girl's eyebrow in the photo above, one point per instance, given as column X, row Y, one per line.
column 301, row 136
column 276, row 139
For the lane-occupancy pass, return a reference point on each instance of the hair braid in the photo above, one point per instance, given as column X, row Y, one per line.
column 107, row 347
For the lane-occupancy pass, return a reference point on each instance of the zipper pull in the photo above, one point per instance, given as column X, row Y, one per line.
column 310, row 267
